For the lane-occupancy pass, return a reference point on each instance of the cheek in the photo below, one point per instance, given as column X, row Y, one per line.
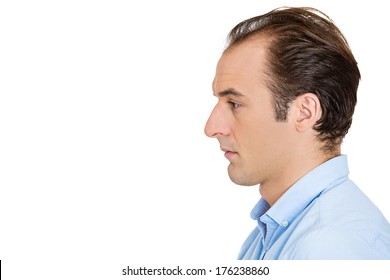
column 252, row 138
column 265, row 138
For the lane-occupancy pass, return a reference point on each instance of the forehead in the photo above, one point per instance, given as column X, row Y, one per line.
column 242, row 63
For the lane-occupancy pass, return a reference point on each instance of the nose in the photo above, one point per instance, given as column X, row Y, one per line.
column 216, row 125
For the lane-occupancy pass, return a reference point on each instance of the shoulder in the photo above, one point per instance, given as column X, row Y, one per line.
column 336, row 244
column 346, row 207
column 348, row 226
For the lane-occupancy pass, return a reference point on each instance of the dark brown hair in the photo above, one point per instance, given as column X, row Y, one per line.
column 306, row 52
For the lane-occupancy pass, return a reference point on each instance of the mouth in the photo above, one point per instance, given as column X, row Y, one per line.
column 229, row 154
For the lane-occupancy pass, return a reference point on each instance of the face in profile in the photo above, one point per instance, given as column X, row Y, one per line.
column 243, row 120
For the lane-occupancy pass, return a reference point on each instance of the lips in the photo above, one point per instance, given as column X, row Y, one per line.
column 229, row 154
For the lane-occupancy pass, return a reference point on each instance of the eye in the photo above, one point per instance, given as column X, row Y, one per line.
column 234, row 104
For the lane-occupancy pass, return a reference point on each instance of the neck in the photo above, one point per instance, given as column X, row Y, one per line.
column 288, row 175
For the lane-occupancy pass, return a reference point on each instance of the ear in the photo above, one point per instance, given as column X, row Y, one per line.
column 308, row 111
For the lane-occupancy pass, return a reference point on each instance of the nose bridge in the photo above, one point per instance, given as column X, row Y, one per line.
column 215, row 124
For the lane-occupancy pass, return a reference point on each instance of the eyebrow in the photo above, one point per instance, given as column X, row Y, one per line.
column 229, row 91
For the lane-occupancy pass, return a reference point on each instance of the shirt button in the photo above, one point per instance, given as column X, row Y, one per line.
column 284, row 223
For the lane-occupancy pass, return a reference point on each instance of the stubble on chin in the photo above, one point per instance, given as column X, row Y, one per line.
column 240, row 177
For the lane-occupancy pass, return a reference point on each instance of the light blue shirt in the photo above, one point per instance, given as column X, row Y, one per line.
column 324, row 215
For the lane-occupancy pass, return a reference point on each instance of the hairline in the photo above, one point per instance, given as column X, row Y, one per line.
column 260, row 39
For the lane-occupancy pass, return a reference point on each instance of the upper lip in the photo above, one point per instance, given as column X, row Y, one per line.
column 223, row 149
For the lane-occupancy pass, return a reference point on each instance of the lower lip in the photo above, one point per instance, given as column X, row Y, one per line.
column 230, row 155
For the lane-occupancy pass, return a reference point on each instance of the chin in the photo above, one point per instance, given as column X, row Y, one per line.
column 242, row 179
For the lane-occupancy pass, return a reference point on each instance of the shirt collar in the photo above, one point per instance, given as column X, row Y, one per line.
column 261, row 207
column 299, row 195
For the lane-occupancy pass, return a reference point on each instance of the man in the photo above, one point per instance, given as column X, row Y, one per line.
column 286, row 87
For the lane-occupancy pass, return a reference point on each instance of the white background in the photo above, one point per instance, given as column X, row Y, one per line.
column 103, row 159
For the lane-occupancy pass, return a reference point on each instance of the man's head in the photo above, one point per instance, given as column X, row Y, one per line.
column 287, row 80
